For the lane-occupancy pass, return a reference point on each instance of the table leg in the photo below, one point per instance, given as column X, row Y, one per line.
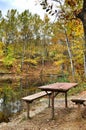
column 52, row 105
column 66, row 105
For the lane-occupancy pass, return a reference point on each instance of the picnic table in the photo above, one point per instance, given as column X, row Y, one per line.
column 57, row 88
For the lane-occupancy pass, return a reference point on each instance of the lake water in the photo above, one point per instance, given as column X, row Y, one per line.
column 11, row 91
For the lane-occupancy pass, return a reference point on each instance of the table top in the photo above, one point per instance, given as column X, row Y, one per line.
column 63, row 86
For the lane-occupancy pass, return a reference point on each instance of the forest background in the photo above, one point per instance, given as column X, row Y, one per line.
column 26, row 40
column 32, row 46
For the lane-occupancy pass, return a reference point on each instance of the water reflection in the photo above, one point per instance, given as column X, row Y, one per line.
column 11, row 91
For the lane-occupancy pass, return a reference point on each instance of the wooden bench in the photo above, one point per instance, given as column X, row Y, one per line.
column 79, row 101
column 29, row 99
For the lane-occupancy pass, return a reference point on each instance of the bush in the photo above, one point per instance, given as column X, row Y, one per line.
column 3, row 117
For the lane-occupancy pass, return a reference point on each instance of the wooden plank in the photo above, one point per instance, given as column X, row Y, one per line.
column 35, row 96
column 78, row 100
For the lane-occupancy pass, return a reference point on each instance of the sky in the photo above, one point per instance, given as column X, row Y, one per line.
column 21, row 5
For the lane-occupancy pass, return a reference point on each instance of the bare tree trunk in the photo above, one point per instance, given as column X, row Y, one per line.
column 70, row 54
column 23, row 54
column 84, row 49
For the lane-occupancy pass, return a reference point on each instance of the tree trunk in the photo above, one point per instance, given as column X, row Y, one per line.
column 82, row 17
column 23, row 54
column 84, row 50
column 70, row 54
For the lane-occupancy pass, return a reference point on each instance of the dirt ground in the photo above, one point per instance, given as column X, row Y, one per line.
column 65, row 118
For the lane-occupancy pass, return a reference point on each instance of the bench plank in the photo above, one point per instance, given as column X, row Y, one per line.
column 35, row 96
column 78, row 101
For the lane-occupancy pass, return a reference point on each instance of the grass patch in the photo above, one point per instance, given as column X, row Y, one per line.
column 78, row 89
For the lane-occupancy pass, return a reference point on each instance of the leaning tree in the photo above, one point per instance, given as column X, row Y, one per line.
column 77, row 10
